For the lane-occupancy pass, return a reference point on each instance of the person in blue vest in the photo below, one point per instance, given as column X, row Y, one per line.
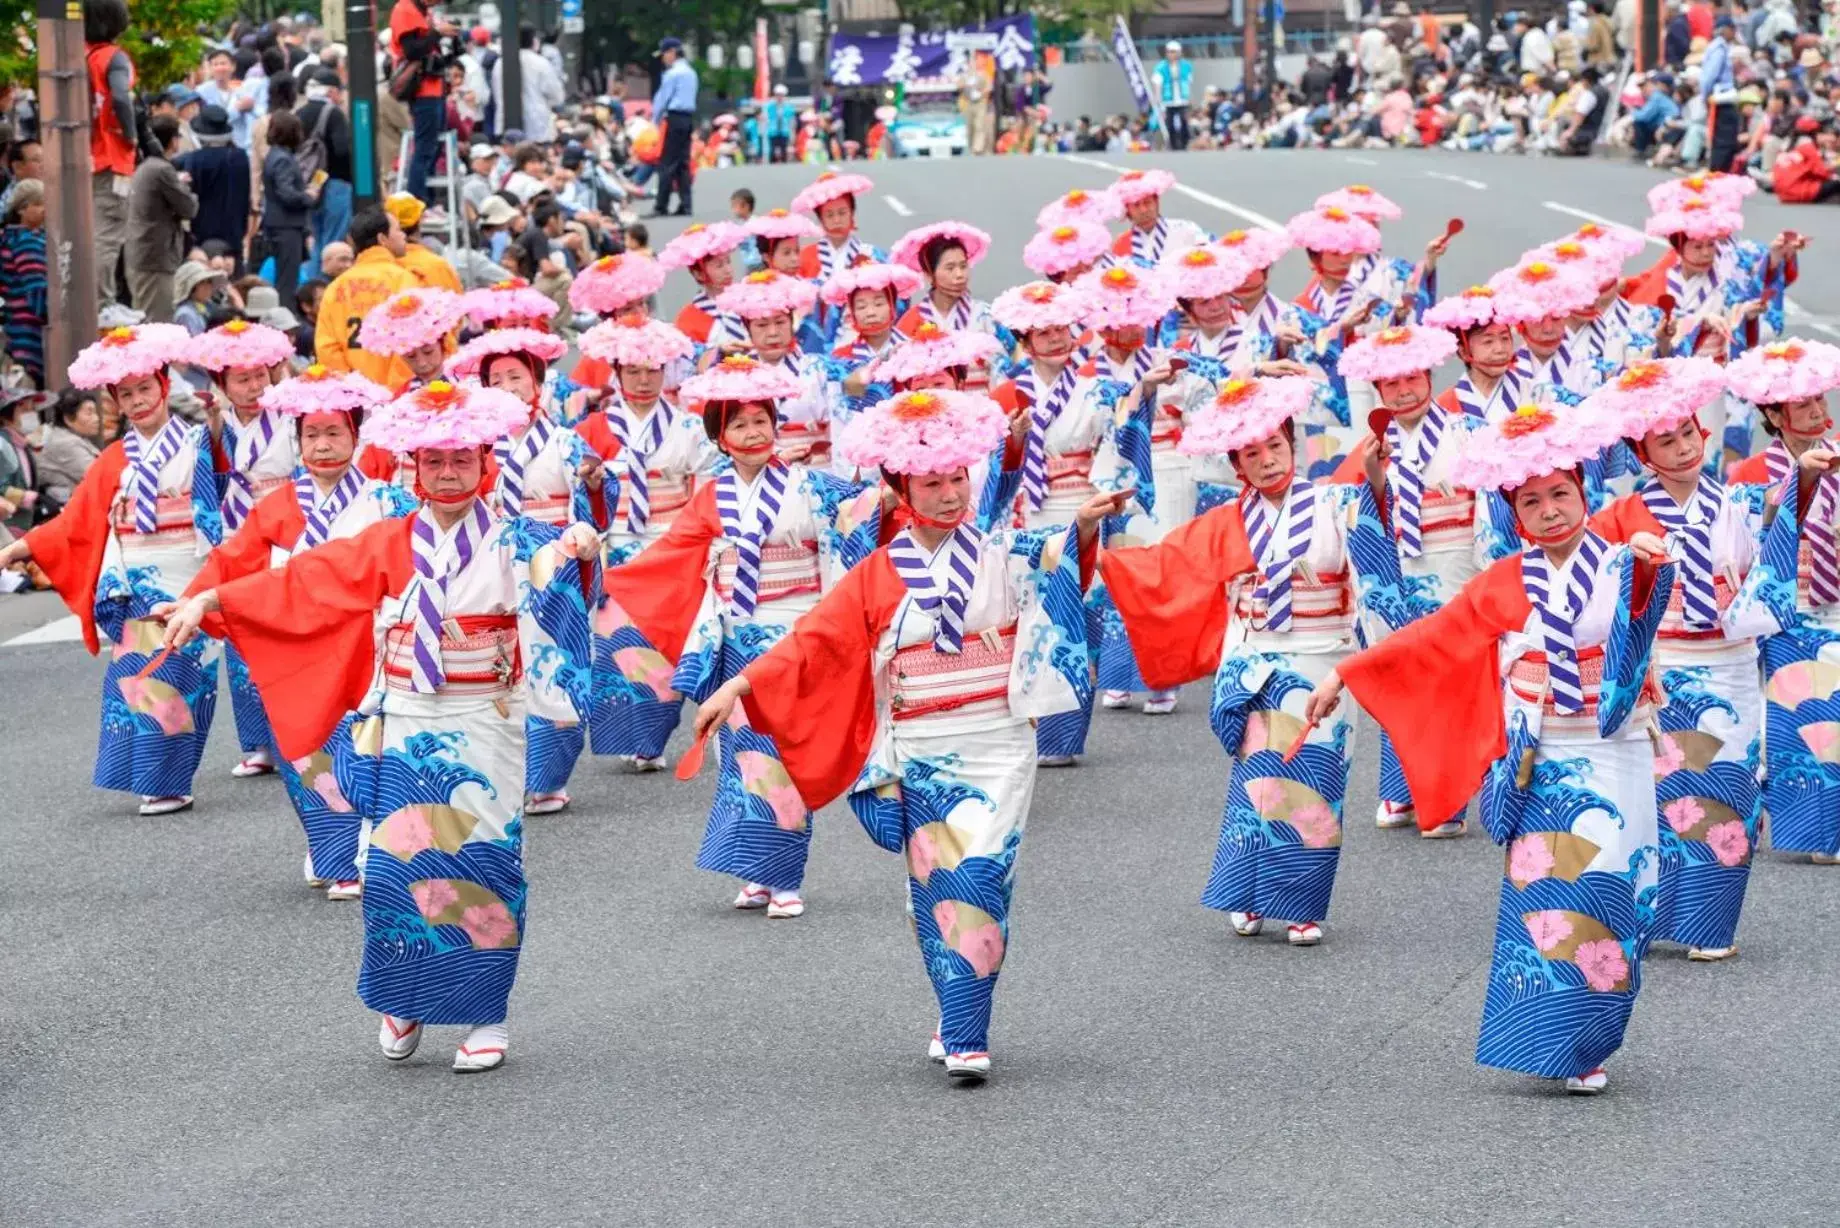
column 781, row 120
column 1172, row 77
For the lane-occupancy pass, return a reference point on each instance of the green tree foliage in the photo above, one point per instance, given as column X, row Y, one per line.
column 166, row 40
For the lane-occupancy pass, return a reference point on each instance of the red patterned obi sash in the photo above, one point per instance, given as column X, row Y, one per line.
column 973, row 682
column 479, row 655
column 173, row 515
column 1322, row 606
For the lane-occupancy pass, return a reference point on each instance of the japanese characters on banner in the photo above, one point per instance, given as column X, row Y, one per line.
column 884, row 59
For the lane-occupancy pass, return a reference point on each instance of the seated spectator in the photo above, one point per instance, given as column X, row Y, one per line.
column 18, row 463
column 72, row 440
column 1658, row 109
column 1804, row 173
column 307, row 300
column 193, row 287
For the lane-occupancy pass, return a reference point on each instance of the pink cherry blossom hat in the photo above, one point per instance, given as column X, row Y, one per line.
column 409, row 320
column 1258, row 248
column 1657, row 394
column 1204, row 272
column 1363, row 202
column 828, row 187
column 894, row 278
column 933, row 350
column 614, row 283
column 1616, row 244
column 628, row 341
column 469, row 362
column 319, row 390
column 1039, row 304
column 1066, row 245
column 1698, row 218
column 1596, row 265
column 1392, row 352
column 1136, row 185
column 1534, row 440
column 1722, row 190
column 1540, row 290
column 1788, row 370
column 125, row 354
column 238, row 344
column 1474, row 308
column 782, row 224
column 1080, row 205
column 1333, row 229
column 513, row 301
column 740, row 378
column 934, row 431
column 1125, row 297
column 1244, row 412
column 908, row 247
column 699, row 242
column 765, row 293
column 443, row 414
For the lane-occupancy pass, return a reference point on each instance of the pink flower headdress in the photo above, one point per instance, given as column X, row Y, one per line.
column 893, row 278
column 828, row 187
column 1531, row 442
column 764, row 293
column 1657, row 394
column 443, row 414
column 1474, row 308
column 1246, row 411
column 238, row 344
column 1133, row 186
column 1065, row 246
column 319, row 390
column 1615, row 244
column 629, row 341
column 1593, row 264
column 1392, row 352
column 1721, row 190
column 614, row 283
column 908, row 247
column 1540, row 290
column 1788, row 370
column 1080, row 205
column 933, row 350
column 469, row 362
column 1333, row 230
column 1039, row 304
column 1698, row 218
column 1363, row 202
column 933, row 431
column 125, row 354
column 409, row 320
column 699, row 242
column 513, row 301
column 1204, row 272
column 783, row 224
column 1259, row 248
column 740, row 378
column 1125, row 297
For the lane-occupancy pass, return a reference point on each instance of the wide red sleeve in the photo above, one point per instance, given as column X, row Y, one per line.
column 601, row 440
column 1752, row 470
column 814, row 691
column 1121, row 244
column 910, row 320
column 661, row 587
column 69, row 547
column 1435, row 686
column 591, row 373
column 377, row 463
column 1173, row 595
column 809, row 264
column 1647, row 287
column 306, row 630
column 1624, row 518
column 274, row 521
column 694, row 323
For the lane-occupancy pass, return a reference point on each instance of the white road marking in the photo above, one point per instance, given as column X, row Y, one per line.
column 1206, row 198
column 1468, row 183
column 58, row 631
column 1599, row 218
column 898, row 207
column 1359, row 161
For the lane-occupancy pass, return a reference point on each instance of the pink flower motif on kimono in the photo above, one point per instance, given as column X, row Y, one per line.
column 490, row 926
column 1316, row 825
column 1683, row 813
column 327, row 786
column 922, row 855
column 645, row 666
column 765, row 777
column 172, row 714
column 1729, row 843
column 1668, row 757
column 434, row 896
column 610, row 617
column 1823, row 740
column 1266, row 795
column 1548, row 928
column 1603, row 963
column 404, row 834
column 981, row 945
column 1530, row 859
column 1792, row 686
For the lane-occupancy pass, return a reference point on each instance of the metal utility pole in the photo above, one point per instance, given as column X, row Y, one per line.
column 70, row 223
column 573, row 27
column 1648, row 35
column 1271, row 59
column 1249, row 54
column 511, row 65
column 361, row 72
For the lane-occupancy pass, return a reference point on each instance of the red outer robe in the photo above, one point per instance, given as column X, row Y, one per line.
column 592, row 373
column 275, row 520
column 1620, row 521
column 661, row 587
column 1751, row 470
column 69, row 547
column 1173, row 595
column 694, row 323
column 910, row 321
column 810, row 267
column 605, row 444
column 306, row 630
column 1121, row 245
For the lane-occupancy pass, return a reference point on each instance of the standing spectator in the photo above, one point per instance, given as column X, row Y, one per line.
column 477, row 63
column 113, row 137
column 18, row 464
column 72, row 442
column 1172, row 78
column 220, row 179
column 1677, row 36
column 159, row 205
column 1718, row 86
column 373, row 277
column 322, row 119
column 427, row 265
column 22, row 277
column 415, row 38
column 239, row 99
column 780, row 119
column 182, row 103
column 1537, row 55
column 287, row 203
column 1600, row 39
column 542, row 87
column 675, row 105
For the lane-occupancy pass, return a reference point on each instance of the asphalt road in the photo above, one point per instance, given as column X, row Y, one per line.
column 179, row 1042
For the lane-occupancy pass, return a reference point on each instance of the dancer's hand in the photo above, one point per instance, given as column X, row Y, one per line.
column 1324, row 698
column 1649, row 548
column 582, row 541
column 715, row 711
column 1820, row 460
column 1099, row 507
column 15, row 553
column 183, row 620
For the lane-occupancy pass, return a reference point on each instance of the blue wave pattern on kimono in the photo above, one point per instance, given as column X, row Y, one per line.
column 153, row 729
column 1710, row 809
column 562, row 656
column 325, row 789
column 1117, row 667
column 759, row 829
column 629, row 717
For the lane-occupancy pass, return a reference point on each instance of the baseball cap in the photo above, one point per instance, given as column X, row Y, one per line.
column 480, row 150
column 496, row 211
column 406, row 209
column 1807, row 123
column 481, row 36
column 670, row 42
column 180, row 95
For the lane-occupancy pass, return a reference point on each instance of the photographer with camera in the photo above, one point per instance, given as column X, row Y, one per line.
column 420, row 51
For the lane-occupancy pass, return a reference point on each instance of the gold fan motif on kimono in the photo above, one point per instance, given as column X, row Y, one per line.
column 1564, row 936
column 421, row 826
column 367, row 736
column 1795, row 684
column 159, row 700
column 935, row 846
column 476, row 909
column 1566, row 857
column 1700, row 814
column 1278, row 800
column 1269, row 730
column 1696, row 748
column 544, row 562
column 144, row 636
column 973, row 933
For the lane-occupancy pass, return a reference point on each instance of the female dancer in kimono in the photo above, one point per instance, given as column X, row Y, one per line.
column 870, row 296
column 661, row 456
column 1795, row 589
column 610, row 287
column 511, row 303
column 128, row 541
column 777, row 234
column 481, row 619
column 1267, row 326
column 1707, row 756
column 1394, row 280
column 416, row 326
column 1067, row 252
column 1262, row 594
column 1490, row 387
column 1334, row 239
column 1611, row 333
column 547, row 473
column 1082, row 437
column 944, row 253
column 912, row 684
column 934, row 358
column 1538, row 300
column 1441, row 533
column 1711, row 273
column 1536, row 677
column 769, row 305
column 831, row 199
column 748, row 556
column 707, row 253
column 329, row 500
column 256, row 454
column 1150, row 235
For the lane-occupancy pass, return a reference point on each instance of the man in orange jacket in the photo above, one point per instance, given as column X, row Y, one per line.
column 373, row 277
column 430, row 269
